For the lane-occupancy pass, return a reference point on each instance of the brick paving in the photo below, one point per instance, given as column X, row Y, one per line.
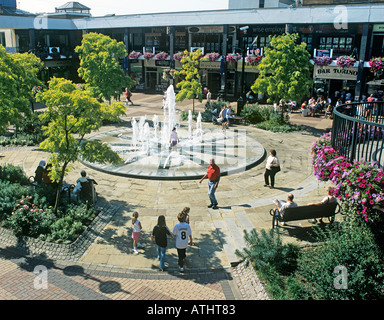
column 106, row 269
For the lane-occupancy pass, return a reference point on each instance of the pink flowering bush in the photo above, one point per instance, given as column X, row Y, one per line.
column 357, row 184
column 322, row 61
column 26, row 218
column 345, row 61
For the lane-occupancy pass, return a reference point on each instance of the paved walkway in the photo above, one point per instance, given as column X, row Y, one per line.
column 109, row 270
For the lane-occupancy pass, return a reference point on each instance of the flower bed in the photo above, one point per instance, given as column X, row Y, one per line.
column 359, row 184
column 322, row 61
column 345, row 61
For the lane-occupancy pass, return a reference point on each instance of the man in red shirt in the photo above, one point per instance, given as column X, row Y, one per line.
column 213, row 175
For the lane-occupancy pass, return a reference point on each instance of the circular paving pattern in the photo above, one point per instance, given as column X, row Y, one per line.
column 233, row 150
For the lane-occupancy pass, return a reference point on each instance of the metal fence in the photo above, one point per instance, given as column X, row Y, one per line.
column 358, row 131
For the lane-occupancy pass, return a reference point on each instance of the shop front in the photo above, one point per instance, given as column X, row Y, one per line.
column 328, row 80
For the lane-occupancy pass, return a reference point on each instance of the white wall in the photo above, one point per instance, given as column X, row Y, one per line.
column 243, row 4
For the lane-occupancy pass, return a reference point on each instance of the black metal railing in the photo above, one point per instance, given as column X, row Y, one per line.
column 358, row 131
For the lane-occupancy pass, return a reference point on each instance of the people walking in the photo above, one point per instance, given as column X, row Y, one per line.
column 182, row 231
column 159, row 234
column 136, row 232
column 213, row 175
column 271, row 168
column 128, row 95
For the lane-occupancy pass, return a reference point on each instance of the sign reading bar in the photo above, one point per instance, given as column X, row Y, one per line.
column 337, row 73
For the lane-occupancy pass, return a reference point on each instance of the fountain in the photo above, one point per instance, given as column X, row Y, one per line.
column 145, row 147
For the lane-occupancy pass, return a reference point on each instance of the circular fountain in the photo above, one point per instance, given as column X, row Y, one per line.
column 145, row 147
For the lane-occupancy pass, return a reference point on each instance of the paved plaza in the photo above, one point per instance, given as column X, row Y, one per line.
column 108, row 269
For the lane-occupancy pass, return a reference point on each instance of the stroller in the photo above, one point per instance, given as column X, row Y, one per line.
column 214, row 116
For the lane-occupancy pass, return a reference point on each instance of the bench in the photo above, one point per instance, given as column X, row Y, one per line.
column 326, row 210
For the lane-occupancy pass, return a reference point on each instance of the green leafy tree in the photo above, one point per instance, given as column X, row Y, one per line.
column 18, row 75
column 285, row 71
column 99, row 65
column 71, row 114
column 190, row 86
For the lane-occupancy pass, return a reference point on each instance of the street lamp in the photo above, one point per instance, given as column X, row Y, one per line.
column 242, row 95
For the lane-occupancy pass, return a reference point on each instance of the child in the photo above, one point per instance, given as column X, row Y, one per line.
column 159, row 233
column 186, row 214
column 182, row 231
column 136, row 232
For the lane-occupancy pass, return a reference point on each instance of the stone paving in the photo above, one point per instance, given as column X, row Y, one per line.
column 107, row 268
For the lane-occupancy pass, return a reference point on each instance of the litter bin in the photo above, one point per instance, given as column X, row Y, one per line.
column 240, row 104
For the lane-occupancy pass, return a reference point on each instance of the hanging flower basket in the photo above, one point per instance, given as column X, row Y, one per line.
column 148, row 55
column 212, row 56
column 322, row 61
column 134, row 55
column 161, row 56
column 178, row 56
column 345, row 61
column 233, row 57
column 253, row 60
column 377, row 65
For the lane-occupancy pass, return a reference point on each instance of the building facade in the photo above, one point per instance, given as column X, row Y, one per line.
column 356, row 28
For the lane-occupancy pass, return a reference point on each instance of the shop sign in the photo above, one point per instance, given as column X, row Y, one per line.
column 247, row 67
column 57, row 63
column 378, row 28
column 162, row 63
column 336, row 73
column 210, row 65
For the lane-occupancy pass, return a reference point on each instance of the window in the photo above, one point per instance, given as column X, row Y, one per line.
column 2, row 39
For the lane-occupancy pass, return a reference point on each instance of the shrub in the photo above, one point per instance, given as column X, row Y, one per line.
column 13, row 174
column 9, row 194
column 274, row 262
column 27, row 218
column 349, row 245
column 267, row 119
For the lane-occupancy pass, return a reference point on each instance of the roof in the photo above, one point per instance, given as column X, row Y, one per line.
column 73, row 5
column 13, row 11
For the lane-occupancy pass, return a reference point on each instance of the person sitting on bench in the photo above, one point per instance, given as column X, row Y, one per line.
column 281, row 206
column 328, row 199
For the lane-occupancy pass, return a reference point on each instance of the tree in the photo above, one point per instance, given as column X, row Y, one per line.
column 18, row 75
column 71, row 114
column 99, row 65
column 190, row 84
column 285, row 71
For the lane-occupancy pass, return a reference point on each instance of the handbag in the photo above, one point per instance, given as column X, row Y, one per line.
column 276, row 169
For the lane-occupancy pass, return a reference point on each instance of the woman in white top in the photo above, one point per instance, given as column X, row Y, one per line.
column 173, row 139
column 271, row 168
